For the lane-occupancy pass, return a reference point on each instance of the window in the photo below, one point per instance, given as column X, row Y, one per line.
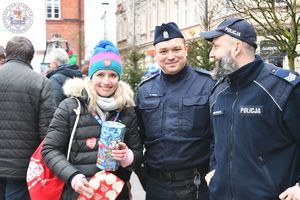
column 162, row 12
column 53, row 9
column 198, row 10
column 153, row 15
column 186, row 10
column 176, row 11
column 122, row 28
column 143, row 22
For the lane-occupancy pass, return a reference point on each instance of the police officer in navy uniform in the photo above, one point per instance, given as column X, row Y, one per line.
column 173, row 112
column 255, row 112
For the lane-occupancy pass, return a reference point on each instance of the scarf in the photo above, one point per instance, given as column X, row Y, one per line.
column 104, row 105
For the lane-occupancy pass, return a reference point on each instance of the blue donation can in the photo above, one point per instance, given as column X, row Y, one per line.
column 111, row 134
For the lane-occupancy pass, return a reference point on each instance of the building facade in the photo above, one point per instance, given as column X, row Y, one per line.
column 65, row 23
column 136, row 21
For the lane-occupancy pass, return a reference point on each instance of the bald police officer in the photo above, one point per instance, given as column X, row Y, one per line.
column 174, row 116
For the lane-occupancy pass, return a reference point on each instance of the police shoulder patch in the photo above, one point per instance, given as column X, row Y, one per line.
column 148, row 79
column 202, row 71
column 292, row 77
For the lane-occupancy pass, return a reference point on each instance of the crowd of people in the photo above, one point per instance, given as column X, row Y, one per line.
column 191, row 134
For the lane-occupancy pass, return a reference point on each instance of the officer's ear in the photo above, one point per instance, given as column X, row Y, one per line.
column 186, row 47
column 237, row 47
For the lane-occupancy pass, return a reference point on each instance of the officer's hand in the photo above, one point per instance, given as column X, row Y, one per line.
column 209, row 176
column 292, row 193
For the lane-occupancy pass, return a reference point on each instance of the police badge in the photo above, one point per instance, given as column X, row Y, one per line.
column 165, row 35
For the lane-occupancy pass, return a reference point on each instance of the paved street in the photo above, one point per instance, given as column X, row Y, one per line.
column 137, row 190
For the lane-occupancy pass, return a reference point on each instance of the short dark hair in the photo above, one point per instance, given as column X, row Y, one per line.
column 19, row 47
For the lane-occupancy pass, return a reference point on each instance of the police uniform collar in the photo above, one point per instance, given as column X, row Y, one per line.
column 175, row 77
column 246, row 74
column 148, row 79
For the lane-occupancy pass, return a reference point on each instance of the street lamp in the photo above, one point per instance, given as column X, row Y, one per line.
column 104, row 6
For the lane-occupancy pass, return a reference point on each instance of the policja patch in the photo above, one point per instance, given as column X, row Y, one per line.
column 251, row 110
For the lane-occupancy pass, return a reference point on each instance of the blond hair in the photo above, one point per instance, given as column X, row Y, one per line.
column 123, row 95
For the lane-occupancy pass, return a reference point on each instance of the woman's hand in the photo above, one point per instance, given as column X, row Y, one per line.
column 123, row 154
column 81, row 185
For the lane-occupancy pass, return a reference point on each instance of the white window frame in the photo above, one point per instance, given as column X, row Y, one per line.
column 143, row 22
column 162, row 13
column 153, row 14
column 122, row 28
column 197, row 11
column 175, row 11
column 54, row 4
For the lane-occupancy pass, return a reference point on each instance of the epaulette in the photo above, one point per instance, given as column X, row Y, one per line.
column 290, row 76
column 148, row 79
column 202, row 71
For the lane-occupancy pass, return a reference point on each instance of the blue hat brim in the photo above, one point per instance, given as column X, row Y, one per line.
column 210, row 35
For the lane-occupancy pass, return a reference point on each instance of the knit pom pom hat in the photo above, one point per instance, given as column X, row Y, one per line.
column 105, row 57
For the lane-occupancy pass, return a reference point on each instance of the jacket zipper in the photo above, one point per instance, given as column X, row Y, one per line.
column 230, row 141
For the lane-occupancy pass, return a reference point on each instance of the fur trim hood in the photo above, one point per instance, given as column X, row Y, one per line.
column 74, row 87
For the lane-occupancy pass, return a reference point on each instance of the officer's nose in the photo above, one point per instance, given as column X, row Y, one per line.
column 211, row 53
column 170, row 55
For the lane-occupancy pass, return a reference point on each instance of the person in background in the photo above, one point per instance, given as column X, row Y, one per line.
column 84, row 70
column 2, row 55
column 255, row 114
column 72, row 57
column 26, row 108
column 102, row 94
column 173, row 114
column 59, row 71
column 152, row 69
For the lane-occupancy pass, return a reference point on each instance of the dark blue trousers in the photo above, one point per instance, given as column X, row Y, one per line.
column 175, row 190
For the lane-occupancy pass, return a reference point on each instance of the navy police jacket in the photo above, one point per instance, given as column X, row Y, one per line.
column 255, row 115
column 173, row 111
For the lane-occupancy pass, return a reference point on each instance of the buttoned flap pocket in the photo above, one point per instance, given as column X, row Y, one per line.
column 149, row 103
column 195, row 113
column 152, row 117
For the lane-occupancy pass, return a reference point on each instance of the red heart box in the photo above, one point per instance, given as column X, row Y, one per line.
column 106, row 186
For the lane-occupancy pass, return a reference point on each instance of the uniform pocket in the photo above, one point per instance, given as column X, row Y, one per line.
column 195, row 112
column 152, row 116
column 267, row 175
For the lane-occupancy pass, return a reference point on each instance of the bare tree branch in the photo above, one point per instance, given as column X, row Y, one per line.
column 277, row 21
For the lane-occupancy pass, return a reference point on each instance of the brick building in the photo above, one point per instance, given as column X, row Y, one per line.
column 65, row 18
column 81, row 23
